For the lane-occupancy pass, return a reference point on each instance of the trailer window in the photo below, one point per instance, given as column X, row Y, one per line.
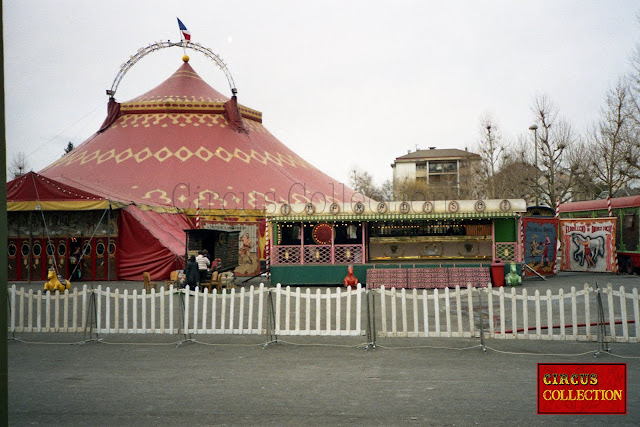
column 630, row 231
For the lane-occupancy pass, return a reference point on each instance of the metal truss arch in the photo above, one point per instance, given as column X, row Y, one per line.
column 152, row 47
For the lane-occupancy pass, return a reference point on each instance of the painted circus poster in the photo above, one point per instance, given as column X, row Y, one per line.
column 588, row 244
column 540, row 245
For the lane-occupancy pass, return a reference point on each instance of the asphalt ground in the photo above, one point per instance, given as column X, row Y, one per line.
column 236, row 380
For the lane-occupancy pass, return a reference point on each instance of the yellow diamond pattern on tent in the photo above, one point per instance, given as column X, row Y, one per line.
column 224, row 154
column 163, row 154
column 204, row 154
column 127, row 152
column 183, row 153
column 147, row 153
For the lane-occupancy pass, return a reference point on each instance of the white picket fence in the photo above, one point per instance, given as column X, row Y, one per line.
column 461, row 312
column 302, row 314
column 168, row 311
column 508, row 314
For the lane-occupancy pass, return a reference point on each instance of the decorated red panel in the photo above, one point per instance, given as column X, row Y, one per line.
column 540, row 242
column 588, row 244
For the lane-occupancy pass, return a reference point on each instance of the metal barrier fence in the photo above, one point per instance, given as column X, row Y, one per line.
column 588, row 314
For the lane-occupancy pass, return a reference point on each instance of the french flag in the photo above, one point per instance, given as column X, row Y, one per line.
column 186, row 34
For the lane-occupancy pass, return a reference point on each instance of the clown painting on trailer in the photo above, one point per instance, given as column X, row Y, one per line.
column 540, row 244
column 588, row 244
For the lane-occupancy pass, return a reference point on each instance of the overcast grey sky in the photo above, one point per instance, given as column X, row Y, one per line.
column 342, row 83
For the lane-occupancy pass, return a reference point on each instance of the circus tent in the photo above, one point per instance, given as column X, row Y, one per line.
column 184, row 143
column 159, row 156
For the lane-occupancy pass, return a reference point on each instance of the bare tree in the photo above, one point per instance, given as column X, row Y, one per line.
column 612, row 142
column 554, row 136
column 633, row 159
column 362, row 182
column 386, row 191
column 516, row 176
column 19, row 165
column 491, row 149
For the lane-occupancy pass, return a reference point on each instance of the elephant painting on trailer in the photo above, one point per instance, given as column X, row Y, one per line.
column 588, row 249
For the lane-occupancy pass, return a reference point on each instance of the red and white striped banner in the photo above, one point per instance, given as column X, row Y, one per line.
column 198, row 216
column 267, row 244
column 615, row 252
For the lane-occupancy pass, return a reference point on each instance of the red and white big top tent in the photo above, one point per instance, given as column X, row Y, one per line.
column 181, row 145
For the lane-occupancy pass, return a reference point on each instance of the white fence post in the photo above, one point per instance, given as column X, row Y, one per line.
column 612, row 316
column 12, row 323
column 241, row 311
column 278, row 294
column 287, row 309
column 574, row 313
column 403, row 296
column 470, row 310
column 298, row 309
column 587, row 310
column 425, row 311
column 636, row 313
column 436, row 309
column 307, row 306
column 561, row 310
column 30, row 312
column 490, row 310
column 328, row 313
column 502, row 312
column 538, row 326
column 459, row 311
column 549, row 314
column 514, row 313
column 74, row 316
column 416, row 329
column 525, row 313
column 623, row 314
column 447, row 306
column 383, row 310
column 260, row 307
column 318, row 330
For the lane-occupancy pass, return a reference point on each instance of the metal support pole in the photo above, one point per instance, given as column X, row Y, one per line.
column 481, row 317
column 92, row 317
column 371, row 320
column 272, row 338
column 186, row 337
column 602, row 325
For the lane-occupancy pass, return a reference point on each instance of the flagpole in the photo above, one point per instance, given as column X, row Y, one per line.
column 184, row 48
column 183, row 40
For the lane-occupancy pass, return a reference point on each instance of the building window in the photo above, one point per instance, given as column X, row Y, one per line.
column 421, row 165
column 443, row 167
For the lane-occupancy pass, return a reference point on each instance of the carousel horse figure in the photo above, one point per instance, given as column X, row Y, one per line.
column 54, row 283
column 350, row 280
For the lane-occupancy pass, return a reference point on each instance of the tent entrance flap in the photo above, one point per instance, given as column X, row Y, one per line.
column 150, row 242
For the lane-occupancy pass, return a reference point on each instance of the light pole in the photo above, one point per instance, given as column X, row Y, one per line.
column 534, row 128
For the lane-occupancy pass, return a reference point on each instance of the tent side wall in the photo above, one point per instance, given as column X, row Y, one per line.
column 141, row 251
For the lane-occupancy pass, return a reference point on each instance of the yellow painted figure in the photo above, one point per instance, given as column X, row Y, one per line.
column 54, row 283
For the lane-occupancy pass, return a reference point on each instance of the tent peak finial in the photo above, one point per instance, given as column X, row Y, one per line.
column 185, row 58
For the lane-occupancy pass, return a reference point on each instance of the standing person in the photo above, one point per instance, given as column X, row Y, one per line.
column 192, row 271
column 203, row 266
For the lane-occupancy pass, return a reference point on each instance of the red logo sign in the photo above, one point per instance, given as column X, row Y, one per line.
column 582, row 388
